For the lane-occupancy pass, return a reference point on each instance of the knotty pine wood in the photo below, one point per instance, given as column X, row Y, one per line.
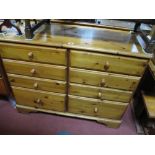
column 100, row 92
column 39, row 99
column 115, row 45
column 40, row 70
column 37, row 83
column 102, row 40
column 96, row 107
column 94, row 78
column 75, row 89
column 108, row 63
column 33, row 53
column 105, row 121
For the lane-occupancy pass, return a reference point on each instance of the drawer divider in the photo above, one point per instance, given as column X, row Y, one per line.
column 67, row 79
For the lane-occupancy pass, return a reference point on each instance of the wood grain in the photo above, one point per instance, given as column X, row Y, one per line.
column 95, row 78
column 39, row 99
column 106, row 93
column 108, row 122
column 82, row 37
column 33, row 53
column 42, row 84
column 34, row 69
column 96, row 108
column 106, row 67
column 108, row 63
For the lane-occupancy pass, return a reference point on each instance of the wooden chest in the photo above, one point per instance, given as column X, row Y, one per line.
column 71, row 80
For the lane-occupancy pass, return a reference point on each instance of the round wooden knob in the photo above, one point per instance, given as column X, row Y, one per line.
column 38, row 101
column 30, row 55
column 102, row 82
column 107, row 65
column 99, row 95
column 95, row 109
column 35, row 85
column 33, row 71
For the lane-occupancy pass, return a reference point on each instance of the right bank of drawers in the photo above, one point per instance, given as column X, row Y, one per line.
column 112, row 78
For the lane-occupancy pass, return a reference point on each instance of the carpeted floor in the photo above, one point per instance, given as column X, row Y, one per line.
column 12, row 122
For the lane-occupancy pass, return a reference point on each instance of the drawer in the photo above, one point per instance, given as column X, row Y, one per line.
column 34, row 69
column 33, row 53
column 104, row 79
column 2, row 87
column 108, row 63
column 37, row 83
column 100, row 93
column 39, row 99
column 96, row 107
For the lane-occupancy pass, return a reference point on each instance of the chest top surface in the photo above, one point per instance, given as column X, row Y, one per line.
column 104, row 40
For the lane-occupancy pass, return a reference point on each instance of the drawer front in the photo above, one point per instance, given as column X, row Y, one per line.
column 34, row 69
column 33, row 53
column 97, row 108
column 108, row 63
column 2, row 87
column 104, row 79
column 39, row 99
column 100, row 93
column 37, row 83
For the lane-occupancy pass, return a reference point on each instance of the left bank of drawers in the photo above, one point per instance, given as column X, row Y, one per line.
column 45, row 69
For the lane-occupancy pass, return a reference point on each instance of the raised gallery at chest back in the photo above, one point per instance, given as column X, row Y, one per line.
column 66, row 80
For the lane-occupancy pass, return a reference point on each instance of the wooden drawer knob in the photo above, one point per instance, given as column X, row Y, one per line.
column 35, row 85
column 100, row 96
column 107, row 65
column 95, row 109
column 102, row 82
column 33, row 71
column 38, row 101
column 30, row 55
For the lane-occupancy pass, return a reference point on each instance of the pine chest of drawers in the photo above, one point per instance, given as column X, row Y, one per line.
column 72, row 81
